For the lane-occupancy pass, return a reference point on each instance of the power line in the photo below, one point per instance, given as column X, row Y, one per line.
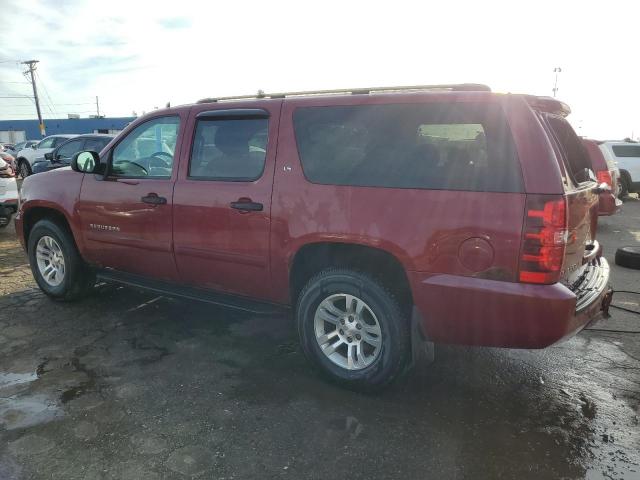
column 51, row 107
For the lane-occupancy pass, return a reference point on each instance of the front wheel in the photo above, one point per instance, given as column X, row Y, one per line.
column 55, row 262
column 352, row 329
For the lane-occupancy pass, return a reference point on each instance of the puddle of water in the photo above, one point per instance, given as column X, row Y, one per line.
column 27, row 411
column 11, row 379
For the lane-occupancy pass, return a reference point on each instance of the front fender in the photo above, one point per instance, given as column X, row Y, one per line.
column 56, row 191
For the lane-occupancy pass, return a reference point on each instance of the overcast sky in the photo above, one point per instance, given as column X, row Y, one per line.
column 139, row 55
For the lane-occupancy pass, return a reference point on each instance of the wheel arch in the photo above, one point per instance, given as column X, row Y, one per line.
column 34, row 214
column 386, row 267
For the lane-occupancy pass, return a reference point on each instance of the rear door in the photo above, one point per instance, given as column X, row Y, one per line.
column 222, row 199
column 580, row 192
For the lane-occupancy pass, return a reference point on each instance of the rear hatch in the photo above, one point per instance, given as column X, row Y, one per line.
column 581, row 198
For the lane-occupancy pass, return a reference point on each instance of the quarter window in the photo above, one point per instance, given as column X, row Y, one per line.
column 232, row 150
column 147, row 151
column 464, row 146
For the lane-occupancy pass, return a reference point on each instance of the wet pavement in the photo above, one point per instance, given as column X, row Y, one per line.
column 129, row 385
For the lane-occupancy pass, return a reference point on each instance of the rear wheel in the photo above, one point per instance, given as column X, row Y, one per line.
column 352, row 329
column 55, row 262
column 23, row 168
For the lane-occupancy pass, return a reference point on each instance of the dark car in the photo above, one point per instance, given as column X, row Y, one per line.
column 61, row 156
column 381, row 216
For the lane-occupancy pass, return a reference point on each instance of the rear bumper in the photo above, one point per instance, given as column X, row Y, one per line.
column 474, row 311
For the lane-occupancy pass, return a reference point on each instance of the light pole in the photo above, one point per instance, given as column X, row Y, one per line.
column 556, row 70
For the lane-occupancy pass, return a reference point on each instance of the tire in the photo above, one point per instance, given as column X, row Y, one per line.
column 624, row 187
column 75, row 278
column 24, row 169
column 374, row 368
column 628, row 257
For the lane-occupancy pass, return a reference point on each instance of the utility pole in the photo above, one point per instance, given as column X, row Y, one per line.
column 556, row 70
column 32, row 68
column 97, row 106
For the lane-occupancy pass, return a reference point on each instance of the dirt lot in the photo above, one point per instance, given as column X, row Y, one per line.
column 129, row 385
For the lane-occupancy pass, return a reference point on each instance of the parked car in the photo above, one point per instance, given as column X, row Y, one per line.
column 385, row 217
column 626, row 156
column 9, row 147
column 8, row 193
column 7, row 157
column 24, row 144
column 607, row 175
column 28, row 156
column 62, row 154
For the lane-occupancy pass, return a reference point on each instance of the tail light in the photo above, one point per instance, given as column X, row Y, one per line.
column 544, row 239
column 604, row 176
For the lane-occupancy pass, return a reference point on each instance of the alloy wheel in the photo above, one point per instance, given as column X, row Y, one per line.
column 347, row 331
column 50, row 259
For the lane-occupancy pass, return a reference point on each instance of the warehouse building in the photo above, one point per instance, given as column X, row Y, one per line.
column 13, row 131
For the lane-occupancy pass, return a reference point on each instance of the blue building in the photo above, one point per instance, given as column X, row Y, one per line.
column 18, row 130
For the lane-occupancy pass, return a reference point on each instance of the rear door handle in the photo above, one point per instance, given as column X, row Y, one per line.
column 154, row 199
column 246, row 205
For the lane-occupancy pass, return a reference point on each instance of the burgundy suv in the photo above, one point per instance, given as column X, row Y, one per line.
column 449, row 212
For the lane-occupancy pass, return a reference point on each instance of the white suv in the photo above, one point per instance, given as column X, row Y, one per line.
column 27, row 156
column 626, row 156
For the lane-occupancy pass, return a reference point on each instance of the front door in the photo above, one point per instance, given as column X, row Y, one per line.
column 126, row 215
column 222, row 199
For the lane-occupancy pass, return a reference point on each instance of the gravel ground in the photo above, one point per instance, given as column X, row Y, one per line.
column 129, row 385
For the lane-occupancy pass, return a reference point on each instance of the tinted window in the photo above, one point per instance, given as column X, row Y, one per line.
column 626, row 150
column 59, row 141
column 96, row 144
column 434, row 146
column 229, row 149
column 576, row 156
column 66, row 151
column 148, row 150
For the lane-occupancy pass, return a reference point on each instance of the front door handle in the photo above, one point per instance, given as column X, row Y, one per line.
column 246, row 205
column 154, row 199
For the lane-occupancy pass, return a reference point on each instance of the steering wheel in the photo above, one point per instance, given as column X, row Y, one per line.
column 160, row 162
column 135, row 164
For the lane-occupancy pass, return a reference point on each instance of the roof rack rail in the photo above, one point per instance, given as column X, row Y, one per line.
column 453, row 87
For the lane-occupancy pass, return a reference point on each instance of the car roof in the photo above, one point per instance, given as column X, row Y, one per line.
column 618, row 142
column 94, row 135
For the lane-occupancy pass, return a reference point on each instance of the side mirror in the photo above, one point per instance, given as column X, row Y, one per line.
column 48, row 156
column 34, row 146
column 85, row 162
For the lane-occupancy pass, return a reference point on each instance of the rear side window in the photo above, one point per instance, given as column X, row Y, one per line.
column 231, row 150
column 626, row 150
column 575, row 155
column 443, row 146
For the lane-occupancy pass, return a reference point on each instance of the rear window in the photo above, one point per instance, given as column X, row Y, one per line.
column 626, row 150
column 464, row 146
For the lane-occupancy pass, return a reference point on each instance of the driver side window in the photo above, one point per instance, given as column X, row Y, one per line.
column 147, row 151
